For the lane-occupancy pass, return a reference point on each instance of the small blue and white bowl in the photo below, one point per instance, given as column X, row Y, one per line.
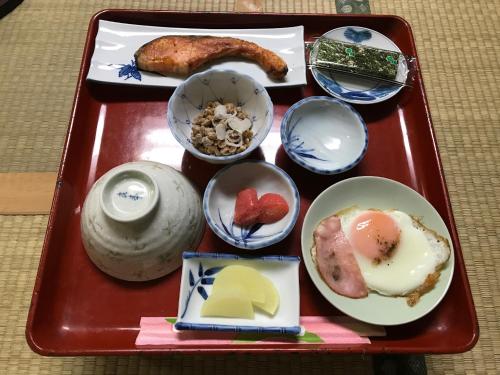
column 192, row 96
column 324, row 135
column 220, row 197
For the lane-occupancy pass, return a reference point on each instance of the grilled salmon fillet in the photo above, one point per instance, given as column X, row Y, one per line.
column 181, row 55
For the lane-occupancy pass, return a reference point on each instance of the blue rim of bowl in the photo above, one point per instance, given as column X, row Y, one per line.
column 201, row 155
column 332, row 87
column 286, row 120
column 257, row 244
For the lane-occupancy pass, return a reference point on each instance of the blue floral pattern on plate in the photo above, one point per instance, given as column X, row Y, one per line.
column 333, row 87
column 357, row 36
column 371, row 91
column 129, row 71
column 246, row 234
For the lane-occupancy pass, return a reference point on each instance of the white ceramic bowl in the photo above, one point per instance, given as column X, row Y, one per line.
column 324, row 135
column 193, row 95
column 138, row 218
column 220, row 196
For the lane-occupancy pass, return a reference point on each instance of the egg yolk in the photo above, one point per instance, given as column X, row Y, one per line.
column 374, row 234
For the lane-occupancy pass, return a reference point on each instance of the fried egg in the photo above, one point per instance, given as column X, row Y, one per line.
column 395, row 252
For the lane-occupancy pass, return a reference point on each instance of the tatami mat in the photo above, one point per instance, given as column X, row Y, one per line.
column 41, row 44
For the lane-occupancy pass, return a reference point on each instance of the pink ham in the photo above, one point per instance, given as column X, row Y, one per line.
column 335, row 260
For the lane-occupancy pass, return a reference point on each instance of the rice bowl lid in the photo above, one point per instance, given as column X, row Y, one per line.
column 135, row 238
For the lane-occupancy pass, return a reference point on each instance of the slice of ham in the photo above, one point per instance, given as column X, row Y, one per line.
column 335, row 260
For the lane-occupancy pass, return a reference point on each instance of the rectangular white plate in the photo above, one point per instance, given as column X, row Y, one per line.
column 116, row 43
column 283, row 271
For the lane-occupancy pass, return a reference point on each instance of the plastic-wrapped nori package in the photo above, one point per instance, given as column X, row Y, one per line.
column 361, row 60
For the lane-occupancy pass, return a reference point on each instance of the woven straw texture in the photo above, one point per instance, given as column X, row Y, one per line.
column 41, row 44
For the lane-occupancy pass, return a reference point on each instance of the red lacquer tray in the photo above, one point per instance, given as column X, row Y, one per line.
column 78, row 310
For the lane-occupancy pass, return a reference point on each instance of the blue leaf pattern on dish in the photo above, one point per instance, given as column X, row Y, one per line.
column 212, row 271
column 202, row 292
column 246, row 234
column 296, row 145
column 129, row 71
column 191, row 278
column 253, row 229
column 374, row 93
column 136, row 74
column 357, row 36
column 360, row 95
column 207, row 281
column 200, row 270
column 195, row 284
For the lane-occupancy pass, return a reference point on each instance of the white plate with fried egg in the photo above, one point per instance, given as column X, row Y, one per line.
column 395, row 243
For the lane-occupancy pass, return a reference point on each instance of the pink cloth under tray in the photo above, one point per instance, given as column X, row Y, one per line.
column 319, row 331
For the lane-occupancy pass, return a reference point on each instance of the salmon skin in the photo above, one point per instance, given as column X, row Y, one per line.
column 181, row 55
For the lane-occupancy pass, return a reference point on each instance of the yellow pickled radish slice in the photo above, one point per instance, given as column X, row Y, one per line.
column 258, row 288
column 272, row 301
column 246, row 277
column 230, row 302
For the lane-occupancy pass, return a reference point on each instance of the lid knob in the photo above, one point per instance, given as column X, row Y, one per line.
column 129, row 195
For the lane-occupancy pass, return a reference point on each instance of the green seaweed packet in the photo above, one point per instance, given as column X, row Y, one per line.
column 361, row 60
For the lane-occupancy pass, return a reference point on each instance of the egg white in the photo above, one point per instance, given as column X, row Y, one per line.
column 419, row 253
